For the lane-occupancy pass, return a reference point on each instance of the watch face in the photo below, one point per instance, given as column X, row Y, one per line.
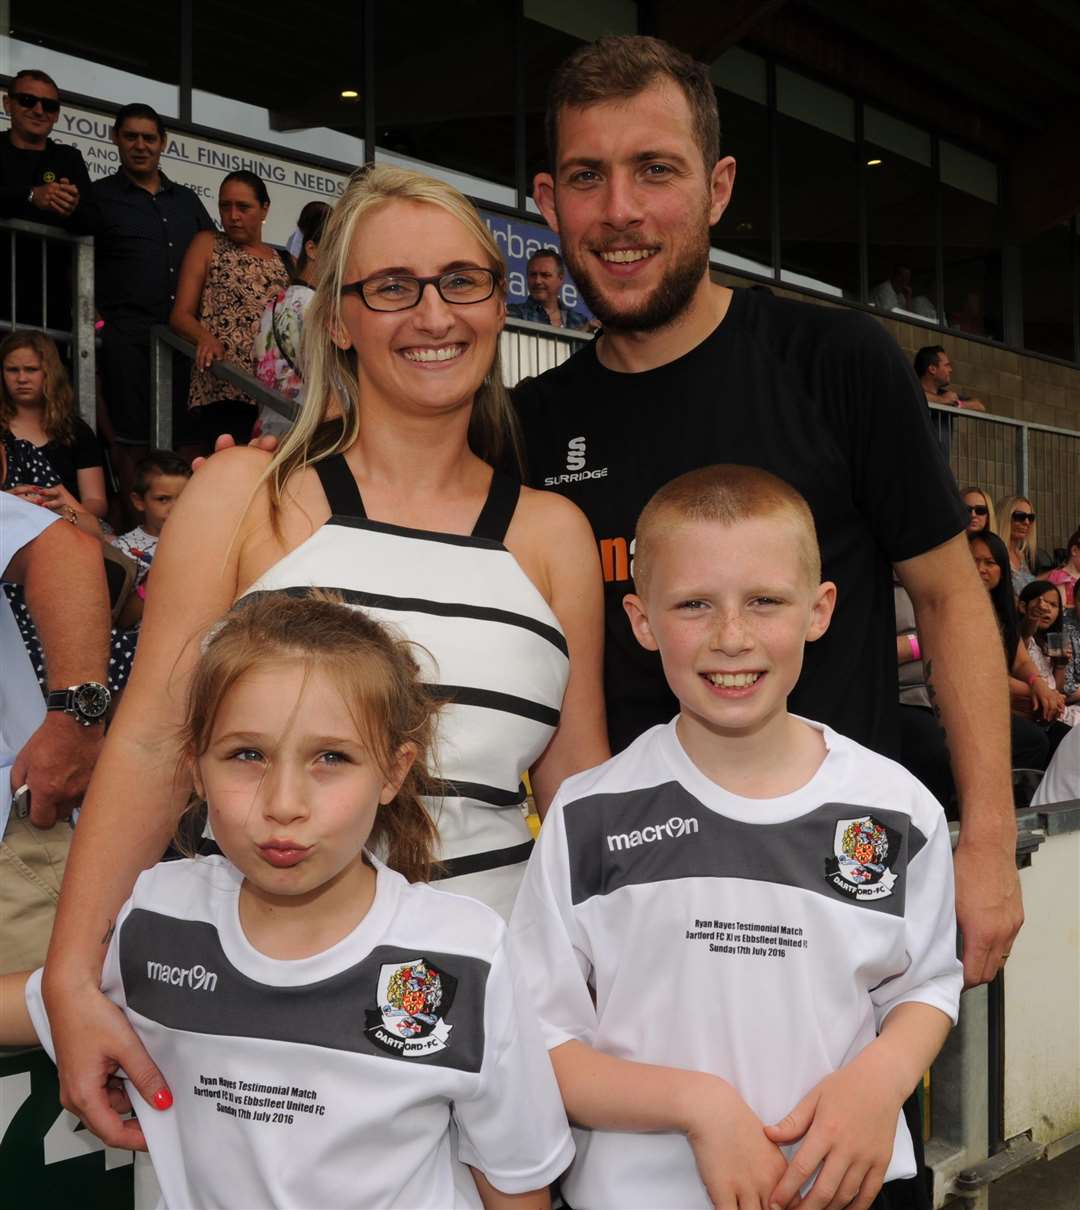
column 91, row 700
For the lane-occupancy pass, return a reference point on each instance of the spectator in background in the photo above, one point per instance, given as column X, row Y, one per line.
column 1065, row 577
column 980, row 509
column 54, row 457
column 160, row 477
column 896, row 295
column 546, row 275
column 313, row 213
column 1016, row 524
column 49, row 750
column 41, row 181
column 934, row 372
column 1040, row 616
column 147, row 222
column 281, row 328
column 225, row 281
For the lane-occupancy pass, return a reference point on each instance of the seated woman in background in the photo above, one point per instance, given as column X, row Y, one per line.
column 1066, row 575
column 1016, row 524
column 1039, row 607
column 1036, row 708
column 281, row 328
column 53, row 456
column 225, row 281
column 980, row 510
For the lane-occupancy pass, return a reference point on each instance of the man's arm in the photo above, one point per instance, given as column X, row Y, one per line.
column 63, row 575
column 968, row 686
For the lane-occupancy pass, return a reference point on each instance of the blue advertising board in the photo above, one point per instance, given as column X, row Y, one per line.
column 517, row 241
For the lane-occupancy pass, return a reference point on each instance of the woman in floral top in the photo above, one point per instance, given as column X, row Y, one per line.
column 277, row 346
column 225, row 281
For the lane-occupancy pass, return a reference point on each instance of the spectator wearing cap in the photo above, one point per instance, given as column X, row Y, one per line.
column 546, row 275
column 147, row 224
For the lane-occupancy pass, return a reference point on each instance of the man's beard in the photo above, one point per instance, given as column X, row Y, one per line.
column 662, row 306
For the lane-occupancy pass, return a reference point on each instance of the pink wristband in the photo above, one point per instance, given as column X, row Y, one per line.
column 1033, row 678
column 916, row 653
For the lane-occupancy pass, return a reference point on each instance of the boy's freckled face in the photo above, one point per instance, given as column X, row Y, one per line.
column 158, row 500
column 730, row 608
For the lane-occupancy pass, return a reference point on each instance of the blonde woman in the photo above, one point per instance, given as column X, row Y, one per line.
column 980, row 506
column 1016, row 525
column 384, row 491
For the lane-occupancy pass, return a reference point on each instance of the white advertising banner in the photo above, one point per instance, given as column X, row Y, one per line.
column 201, row 164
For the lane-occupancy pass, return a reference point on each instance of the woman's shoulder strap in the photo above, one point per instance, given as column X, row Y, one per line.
column 498, row 510
column 342, row 493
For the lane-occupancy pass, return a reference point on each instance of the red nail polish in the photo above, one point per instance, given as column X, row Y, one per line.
column 162, row 1099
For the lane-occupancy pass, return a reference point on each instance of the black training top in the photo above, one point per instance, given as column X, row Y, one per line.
column 140, row 244
column 822, row 397
column 22, row 170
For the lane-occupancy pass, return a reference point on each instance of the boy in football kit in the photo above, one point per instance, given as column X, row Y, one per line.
column 739, row 932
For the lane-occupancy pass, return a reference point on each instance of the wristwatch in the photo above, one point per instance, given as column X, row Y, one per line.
column 86, row 703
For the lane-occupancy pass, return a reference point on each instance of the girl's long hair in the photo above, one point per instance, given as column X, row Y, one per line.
column 1031, row 592
column 329, row 421
column 378, row 679
column 1030, row 545
column 59, row 418
column 1001, row 597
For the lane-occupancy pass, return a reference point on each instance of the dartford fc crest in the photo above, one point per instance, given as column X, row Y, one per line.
column 863, row 850
column 414, row 998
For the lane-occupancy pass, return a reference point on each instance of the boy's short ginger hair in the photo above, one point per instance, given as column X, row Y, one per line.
column 725, row 493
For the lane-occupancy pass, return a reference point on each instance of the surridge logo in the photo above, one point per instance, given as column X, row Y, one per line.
column 670, row 829
column 197, row 977
column 575, row 466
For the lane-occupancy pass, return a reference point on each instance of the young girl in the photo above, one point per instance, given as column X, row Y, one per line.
column 319, row 1020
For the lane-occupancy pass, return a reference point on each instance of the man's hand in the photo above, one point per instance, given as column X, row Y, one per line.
column 56, row 763
column 847, row 1124
column 225, row 441
column 60, row 197
column 737, row 1163
column 989, row 908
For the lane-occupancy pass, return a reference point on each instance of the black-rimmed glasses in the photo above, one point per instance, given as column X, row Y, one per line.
column 29, row 99
column 400, row 291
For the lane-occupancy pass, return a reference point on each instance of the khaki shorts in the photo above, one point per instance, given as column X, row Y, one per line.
column 31, row 868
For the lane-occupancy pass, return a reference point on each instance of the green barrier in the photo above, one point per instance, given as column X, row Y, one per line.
column 48, row 1159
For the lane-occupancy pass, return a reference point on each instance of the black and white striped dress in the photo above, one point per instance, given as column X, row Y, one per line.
column 500, row 659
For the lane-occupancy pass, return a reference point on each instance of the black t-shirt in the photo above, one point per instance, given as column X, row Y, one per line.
column 822, row 397
column 21, row 170
column 83, row 453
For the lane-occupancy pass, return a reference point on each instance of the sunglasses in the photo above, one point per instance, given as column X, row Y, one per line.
column 980, row 510
column 29, row 100
column 1018, row 517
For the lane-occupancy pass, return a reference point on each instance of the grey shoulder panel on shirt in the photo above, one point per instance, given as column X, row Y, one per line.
column 425, row 1008
column 851, row 853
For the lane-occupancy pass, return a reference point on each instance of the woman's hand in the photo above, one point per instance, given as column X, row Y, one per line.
column 56, row 498
column 1047, row 703
column 29, row 492
column 208, row 350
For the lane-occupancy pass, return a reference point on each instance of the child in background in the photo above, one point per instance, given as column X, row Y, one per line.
column 318, row 1019
column 160, row 477
column 740, row 930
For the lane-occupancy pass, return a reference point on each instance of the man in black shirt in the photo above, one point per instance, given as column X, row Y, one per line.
column 41, row 181
column 147, row 222
column 686, row 373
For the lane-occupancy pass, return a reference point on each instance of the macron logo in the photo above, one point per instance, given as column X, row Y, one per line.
column 197, row 977
column 672, row 829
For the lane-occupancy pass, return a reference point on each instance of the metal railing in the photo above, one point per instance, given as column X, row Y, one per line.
column 1010, row 457
column 528, row 349
column 80, row 337
column 163, row 341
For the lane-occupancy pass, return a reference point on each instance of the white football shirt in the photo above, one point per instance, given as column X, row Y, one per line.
column 331, row 1081
column 764, row 940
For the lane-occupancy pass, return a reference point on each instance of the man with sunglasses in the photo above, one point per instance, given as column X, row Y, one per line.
column 41, row 180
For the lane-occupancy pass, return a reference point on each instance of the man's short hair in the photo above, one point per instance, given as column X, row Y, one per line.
column 622, row 66
column 158, row 462
column 31, row 73
column 138, row 110
column 727, row 494
column 926, row 358
column 547, row 254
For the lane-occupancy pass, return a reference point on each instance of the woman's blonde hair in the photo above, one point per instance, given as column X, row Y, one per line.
column 59, row 419
column 329, row 421
column 377, row 677
column 988, row 500
column 1030, row 545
